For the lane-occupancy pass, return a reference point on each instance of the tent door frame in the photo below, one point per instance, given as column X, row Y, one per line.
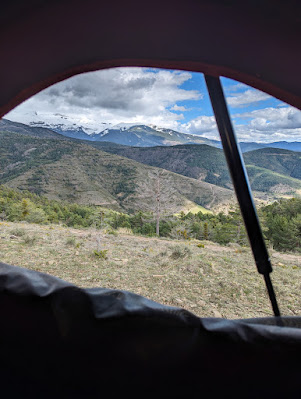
column 241, row 184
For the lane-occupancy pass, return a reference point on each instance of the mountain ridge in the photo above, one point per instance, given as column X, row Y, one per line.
column 33, row 131
column 141, row 135
column 275, row 172
column 70, row 170
column 206, row 163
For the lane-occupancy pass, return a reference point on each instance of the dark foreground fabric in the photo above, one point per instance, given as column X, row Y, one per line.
column 60, row 341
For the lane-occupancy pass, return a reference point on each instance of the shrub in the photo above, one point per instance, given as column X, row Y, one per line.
column 29, row 240
column 36, row 215
column 179, row 252
column 101, row 254
column 180, row 232
column 125, row 230
column 111, row 231
column 17, row 232
column 71, row 241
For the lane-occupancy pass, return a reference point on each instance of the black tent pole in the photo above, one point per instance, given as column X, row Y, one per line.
column 241, row 184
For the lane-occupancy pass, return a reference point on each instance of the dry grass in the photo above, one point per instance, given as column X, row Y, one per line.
column 210, row 281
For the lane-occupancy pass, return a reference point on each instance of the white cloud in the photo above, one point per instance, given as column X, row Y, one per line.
column 247, row 97
column 233, row 87
column 150, row 96
column 274, row 118
column 179, row 108
column 133, row 95
column 201, row 126
column 270, row 124
column 262, row 125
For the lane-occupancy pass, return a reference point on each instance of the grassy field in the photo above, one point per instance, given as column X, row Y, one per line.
column 202, row 277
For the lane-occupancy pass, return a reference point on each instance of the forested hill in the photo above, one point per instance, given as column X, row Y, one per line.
column 286, row 162
column 125, row 177
column 201, row 162
column 270, row 169
column 71, row 170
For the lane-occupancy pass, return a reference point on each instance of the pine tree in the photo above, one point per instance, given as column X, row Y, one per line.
column 206, row 236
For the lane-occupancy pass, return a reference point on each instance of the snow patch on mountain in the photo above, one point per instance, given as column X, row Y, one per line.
column 123, row 126
column 62, row 123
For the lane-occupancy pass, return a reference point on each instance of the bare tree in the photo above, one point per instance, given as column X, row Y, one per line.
column 158, row 193
column 158, row 202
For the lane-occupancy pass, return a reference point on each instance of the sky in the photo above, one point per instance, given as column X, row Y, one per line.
column 166, row 98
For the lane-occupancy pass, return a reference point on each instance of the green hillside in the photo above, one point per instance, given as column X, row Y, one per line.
column 73, row 171
column 127, row 178
column 270, row 170
column 284, row 162
column 199, row 161
column 262, row 179
column 19, row 153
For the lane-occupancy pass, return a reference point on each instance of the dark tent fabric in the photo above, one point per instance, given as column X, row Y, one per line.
column 254, row 41
column 60, row 341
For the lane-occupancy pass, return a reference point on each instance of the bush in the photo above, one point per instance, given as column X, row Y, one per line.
column 180, row 232
column 102, row 254
column 71, row 241
column 17, row 232
column 125, row 230
column 29, row 240
column 36, row 215
column 179, row 252
column 111, row 232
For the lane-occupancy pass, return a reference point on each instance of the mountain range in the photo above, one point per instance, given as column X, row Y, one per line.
column 32, row 131
column 125, row 177
column 140, row 135
column 74, row 171
column 270, row 169
column 133, row 135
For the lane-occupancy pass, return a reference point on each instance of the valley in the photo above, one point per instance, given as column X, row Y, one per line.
column 74, row 171
column 85, row 211
column 125, row 177
column 184, row 189
column 269, row 169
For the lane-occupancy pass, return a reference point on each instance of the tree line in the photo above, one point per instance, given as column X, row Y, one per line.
column 280, row 221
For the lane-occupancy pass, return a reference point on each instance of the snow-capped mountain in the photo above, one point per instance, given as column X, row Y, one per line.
column 122, row 133
column 75, row 126
column 26, row 130
column 147, row 136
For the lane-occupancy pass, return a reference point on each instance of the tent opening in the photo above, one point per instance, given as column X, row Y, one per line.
column 122, row 174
